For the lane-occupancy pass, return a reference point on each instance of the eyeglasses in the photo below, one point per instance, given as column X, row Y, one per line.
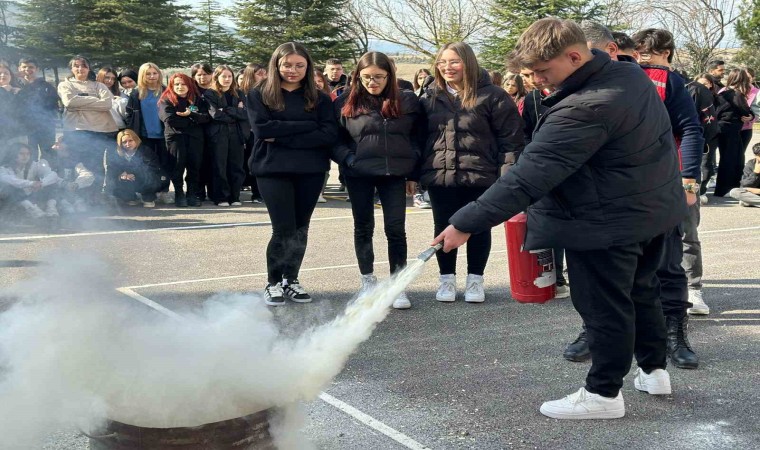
column 109, row 78
column 297, row 67
column 442, row 63
column 376, row 78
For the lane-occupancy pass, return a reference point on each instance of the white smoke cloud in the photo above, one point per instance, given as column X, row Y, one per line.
column 73, row 352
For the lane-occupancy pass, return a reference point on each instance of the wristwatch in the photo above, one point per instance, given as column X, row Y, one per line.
column 691, row 187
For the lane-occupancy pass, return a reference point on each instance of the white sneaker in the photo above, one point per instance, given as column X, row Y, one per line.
column 562, row 291
column 699, row 306
column 474, row 291
column 321, row 199
column 402, row 302
column 236, row 204
column 223, row 204
column 711, row 183
column 655, row 383
column 51, row 210
column 33, row 210
column 369, row 281
column 703, row 200
column 447, row 291
column 149, row 204
column 585, row 405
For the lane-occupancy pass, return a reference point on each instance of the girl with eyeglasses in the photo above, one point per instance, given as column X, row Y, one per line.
column 474, row 134
column 295, row 128
column 378, row 151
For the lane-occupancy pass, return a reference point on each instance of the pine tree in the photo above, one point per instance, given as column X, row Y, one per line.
column 509, row 18
column 748, row 31
column 211, row 42
column 317, row 24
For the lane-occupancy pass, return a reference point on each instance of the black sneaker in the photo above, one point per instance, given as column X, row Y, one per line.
column 578, row 350
column 273, row 295
column 295, row 292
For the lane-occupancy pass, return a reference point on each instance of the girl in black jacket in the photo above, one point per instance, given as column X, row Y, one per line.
column 227, row 131
column 183, row 112
column 294, row 127
column 474, row 133
column 732, row 113
column 133, row 169
column 377, row 151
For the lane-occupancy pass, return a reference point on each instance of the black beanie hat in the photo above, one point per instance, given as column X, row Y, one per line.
column 128, row 73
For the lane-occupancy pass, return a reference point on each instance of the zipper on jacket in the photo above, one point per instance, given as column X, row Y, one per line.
column 385, row 136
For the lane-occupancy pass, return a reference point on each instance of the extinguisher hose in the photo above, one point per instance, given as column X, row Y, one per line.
column 427, row 254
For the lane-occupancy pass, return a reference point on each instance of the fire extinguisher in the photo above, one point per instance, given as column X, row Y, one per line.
column 532, row 275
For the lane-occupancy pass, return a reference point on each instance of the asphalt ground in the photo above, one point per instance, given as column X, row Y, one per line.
column 439, row 376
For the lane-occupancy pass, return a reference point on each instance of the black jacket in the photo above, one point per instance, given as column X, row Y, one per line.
column 191, row 125
column 750, row 179
column 226, row 118
column 469, row 147
column 133, row 121
column 705, row 102
column 302, row 140
column 370, row 145
column 144, row 166
column 38, row 105
column 533, row 109
column 602, row 170
column 9, row 123
column 731, row 107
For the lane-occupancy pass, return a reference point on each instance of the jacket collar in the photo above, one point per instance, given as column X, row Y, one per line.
column 578, row 78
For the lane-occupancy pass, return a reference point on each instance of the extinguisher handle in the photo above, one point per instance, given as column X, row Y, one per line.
column 427, row 254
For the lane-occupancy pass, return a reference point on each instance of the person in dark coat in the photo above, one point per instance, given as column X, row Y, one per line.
column 748, row 193
column 601, row 179
column 733, row 112
column 39, row 107
column 295, row 128
column 133, row 169
column 184, row 113
column 378, row 150
column 705, row 95
column 228, row 131
column 473, row 134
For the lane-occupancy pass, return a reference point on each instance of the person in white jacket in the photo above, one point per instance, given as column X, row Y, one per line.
column 88, row 126
column 28, row 183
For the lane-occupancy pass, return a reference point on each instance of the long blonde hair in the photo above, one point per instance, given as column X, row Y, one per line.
column 469, row 94
column 142, row 83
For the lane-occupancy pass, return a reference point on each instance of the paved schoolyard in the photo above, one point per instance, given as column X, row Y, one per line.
column 441, row 376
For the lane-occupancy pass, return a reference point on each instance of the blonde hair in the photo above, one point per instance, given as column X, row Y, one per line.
column 469, row 93
column 544, row 40
column 120, row 136
column 142, row 83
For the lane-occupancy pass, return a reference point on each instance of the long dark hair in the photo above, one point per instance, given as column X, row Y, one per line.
column 101, row 78
column 218, row 87
column 740, row 81
column 415, row 83
column 521, row 91
column 249, row 77
column 271, row 88
column 360, row 101
column 469, row 94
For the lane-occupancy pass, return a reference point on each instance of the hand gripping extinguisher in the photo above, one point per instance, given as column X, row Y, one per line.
column 532, row 275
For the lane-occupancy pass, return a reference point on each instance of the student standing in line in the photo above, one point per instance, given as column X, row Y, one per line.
column 378, row 151
column 474, row 134
column 227, row 131
column 251, row 76
column 39, row 99
column 142, row 118
column 184, row 112
column 108, row 77
column 201, row 73
column 732, row 114
column 295, row 129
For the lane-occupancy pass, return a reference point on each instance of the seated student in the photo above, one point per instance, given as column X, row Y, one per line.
column 748, row 193
column 75, row 179
column 133, row 170
column 28, row 183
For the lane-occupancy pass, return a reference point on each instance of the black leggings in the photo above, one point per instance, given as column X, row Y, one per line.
column 228, row 166
column 290, row 201
column 166, row 160
column 188, row 153
column 392, row 192
column 445, row 201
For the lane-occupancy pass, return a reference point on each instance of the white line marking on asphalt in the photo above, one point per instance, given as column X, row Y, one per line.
column 727, row 230
column 742, row 311
column 731, row 285
column 722, row 320
column 157, row 230
column 260, row 274
column 371, row 422
column 148, row 302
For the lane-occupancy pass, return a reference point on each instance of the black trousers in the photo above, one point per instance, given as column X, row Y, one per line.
column 392, row 192
column 166, row 160
column 445, row 201
column 746, row 137
column 621, row 310
column 188, row 153
column 731, row 162
column 708, row 163
column 206, row 190
column 128, row 190
column 674, row 294
column 228, row 166
column 290, row 201
column 41, row 140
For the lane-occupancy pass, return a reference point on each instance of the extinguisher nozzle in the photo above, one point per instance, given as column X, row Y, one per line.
column 427, row 254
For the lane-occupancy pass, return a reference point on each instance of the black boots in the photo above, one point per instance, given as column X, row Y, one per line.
column 578, row 350
column 180, row 200
column 679, row 350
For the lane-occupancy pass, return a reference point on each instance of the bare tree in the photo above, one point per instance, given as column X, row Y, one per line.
column 357, row 17
column 699, row 27
column 425, row 25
